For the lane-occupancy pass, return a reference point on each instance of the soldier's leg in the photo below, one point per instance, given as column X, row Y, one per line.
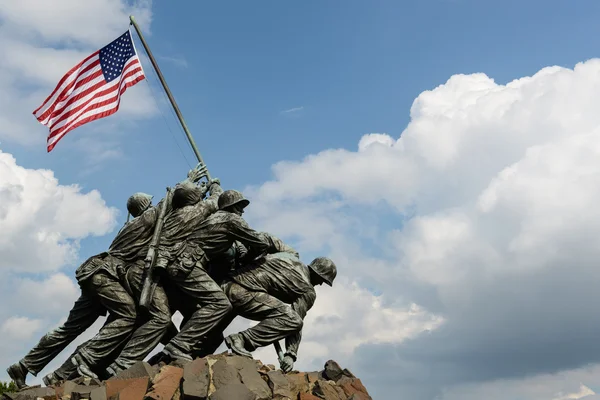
column 211, row 308
column 118, row 329
column 66, row 371
column 215, row 338
column 154, row 325
column 277, row 319
column 84, row 313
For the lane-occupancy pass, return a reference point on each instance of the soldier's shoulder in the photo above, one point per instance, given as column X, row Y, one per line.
column 217, row 217
column 285, row 256
column 229, row 217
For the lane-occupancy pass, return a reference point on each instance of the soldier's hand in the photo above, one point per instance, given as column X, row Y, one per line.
column 287, row 364
column 215, row 181
column 197, row 173
column 204, row 188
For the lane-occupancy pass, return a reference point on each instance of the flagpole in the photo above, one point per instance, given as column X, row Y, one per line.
column 169, row 95
column 148, row 282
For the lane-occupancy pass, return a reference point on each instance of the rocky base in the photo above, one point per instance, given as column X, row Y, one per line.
column 216, row 377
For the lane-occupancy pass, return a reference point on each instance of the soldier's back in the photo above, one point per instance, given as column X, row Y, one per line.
column 282, row 275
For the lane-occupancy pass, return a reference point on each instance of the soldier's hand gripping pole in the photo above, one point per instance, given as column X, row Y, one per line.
column 151, row 278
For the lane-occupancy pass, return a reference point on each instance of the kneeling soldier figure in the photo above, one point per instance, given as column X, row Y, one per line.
column 278, row 291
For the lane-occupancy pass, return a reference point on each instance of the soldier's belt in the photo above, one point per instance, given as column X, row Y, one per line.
column 182, row 252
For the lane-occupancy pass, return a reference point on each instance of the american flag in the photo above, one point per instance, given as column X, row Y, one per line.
column 92, row 89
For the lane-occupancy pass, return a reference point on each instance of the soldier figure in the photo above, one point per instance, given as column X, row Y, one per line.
column 99, row 278
column 210, row 240
column 278, row 291
column 202, row 245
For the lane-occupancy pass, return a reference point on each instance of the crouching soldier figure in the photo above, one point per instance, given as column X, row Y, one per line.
column 278, row 290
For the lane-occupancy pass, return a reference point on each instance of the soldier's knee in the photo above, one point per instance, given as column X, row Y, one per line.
column 129, row 314
column 225, row 304
column 163, row 319
column 227, row 307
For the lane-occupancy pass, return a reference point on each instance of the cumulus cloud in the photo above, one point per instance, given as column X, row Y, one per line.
column 72, row 20
column 52, row 296
column 42, row 221
column 465, row 248
column 19, row 328
column 482, row 213
column 560, row 386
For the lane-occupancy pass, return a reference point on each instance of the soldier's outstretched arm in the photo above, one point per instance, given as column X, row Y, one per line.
column 255, row 243
column 301, row 306
column 278, row 246
column 215, row 191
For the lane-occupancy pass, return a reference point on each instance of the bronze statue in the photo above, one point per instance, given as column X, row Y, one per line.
column 185, row 253
column 100, row 280
column 192, row 254
column 277, row 290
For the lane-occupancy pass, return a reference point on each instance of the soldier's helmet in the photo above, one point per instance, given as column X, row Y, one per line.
column 231, row 197
column 185, row 195
column 138, row 203
column 325, row 268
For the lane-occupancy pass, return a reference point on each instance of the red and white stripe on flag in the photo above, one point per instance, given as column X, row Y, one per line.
column 92, row 89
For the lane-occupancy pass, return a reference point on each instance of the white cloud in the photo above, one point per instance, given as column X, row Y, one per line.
column 466, row 247
column 52, row 296
column 583, row 392
column 482, row 213
column 42, row 221
column 293, row 110
column 93, row 22
column 41, row 224
column 560, row 386
column 19, row 328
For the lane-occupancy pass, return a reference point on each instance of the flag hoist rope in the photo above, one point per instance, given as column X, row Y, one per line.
column 169, row 95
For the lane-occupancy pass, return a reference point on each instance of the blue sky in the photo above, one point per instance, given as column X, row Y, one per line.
column 483, row 254
column 353, row 67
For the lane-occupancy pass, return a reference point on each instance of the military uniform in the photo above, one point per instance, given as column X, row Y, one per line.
column 100, row 278
column 125, row 265
column 132, row 247
column 276, row 291
column 196, row 235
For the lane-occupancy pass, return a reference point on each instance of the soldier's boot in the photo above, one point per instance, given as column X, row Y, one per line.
column 51, row 379
column 82, row 367
column 113, row 370
column 235, row 343
column 18, row 373
column 176, row 354
column 159, row 357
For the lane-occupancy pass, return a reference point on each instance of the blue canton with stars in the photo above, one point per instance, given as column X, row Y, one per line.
column 115, row 55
